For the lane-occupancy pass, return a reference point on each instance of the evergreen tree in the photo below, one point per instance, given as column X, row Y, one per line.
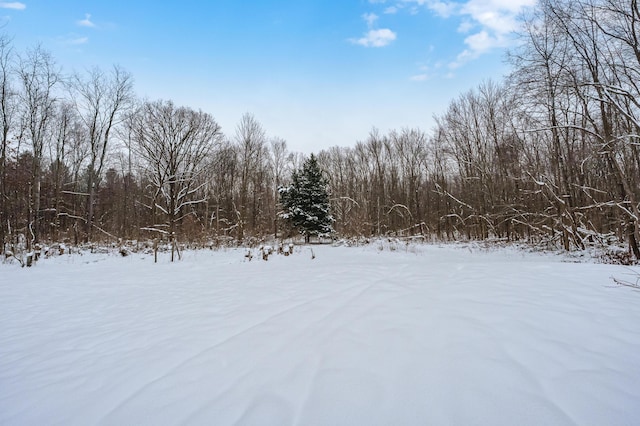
column 305, row 201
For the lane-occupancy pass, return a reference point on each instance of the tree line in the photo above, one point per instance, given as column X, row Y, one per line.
column 548, row 154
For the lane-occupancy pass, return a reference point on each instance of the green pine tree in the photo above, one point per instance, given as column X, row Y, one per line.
column 305, row 201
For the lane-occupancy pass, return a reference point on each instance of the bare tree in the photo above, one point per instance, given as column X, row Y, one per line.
column 101, row 99
column 38, row 75
column 126, row 135
column 222, row 182
column 601, row 35
column 65, row 120
column 278, row 163
column 7, row 116
column 175, row 143
column 250, row 140
column 375, row 147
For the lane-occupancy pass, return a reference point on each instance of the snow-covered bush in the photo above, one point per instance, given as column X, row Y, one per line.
column 617, row 256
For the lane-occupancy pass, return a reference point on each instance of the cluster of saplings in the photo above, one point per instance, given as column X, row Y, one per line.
column 265, row 251
column 550, row 155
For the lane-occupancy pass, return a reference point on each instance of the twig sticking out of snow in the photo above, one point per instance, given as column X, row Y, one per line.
column 627, row 283
column 248, row 255
column 9, row 254
column 266, row 252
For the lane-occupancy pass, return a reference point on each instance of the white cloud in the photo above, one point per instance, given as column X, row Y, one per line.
column 465, row 26
column 376, row 38
column 497, row 20
column 441, row 8
column 492, row 22
column 73, row 40
column 77, row 40
column 86, row 22
column 370, row 19
column 462, row 58
column 420, row 77
column 481, row 42
column 13, row 5
column 488, row 24
column 478, row 44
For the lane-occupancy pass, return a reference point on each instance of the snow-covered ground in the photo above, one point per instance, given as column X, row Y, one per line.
column 356, row 336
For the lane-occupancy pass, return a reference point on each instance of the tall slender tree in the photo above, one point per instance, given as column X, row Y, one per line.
column 7, row 118
column 250, row 139
column 39, row 76
column 101, row 99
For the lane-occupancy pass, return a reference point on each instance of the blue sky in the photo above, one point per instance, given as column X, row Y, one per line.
column 316, row 73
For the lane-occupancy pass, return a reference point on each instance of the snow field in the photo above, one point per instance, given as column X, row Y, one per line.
column 439, row 335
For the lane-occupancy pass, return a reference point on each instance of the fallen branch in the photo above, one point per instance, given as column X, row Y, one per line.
column 72, row 216
column 84, row 194
column 626, row 283
column 162, row 231
column 105, row 232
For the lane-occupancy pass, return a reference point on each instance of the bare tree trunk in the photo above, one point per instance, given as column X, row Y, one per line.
column 39, row 76
column 100, row 100
column 7, row 111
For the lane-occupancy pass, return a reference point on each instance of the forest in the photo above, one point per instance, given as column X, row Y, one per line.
column 548, row 154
